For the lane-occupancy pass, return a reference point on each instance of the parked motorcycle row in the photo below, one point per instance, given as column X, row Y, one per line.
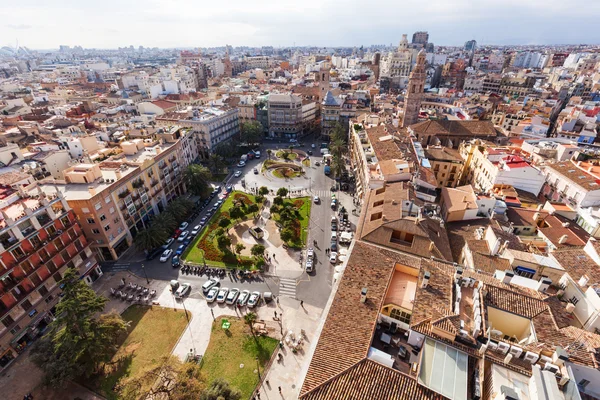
column 219, row 273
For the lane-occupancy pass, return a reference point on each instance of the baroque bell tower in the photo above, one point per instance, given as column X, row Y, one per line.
column 414, row 92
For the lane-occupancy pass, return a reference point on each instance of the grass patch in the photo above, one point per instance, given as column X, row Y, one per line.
column 152, row 334
column 205, row 249
column 289, row 156
column 306, row 162
column 302, row 204
column 228, row 349
column 285, row 173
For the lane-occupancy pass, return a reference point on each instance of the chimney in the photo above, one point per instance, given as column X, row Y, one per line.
column 363, row 295
column 565, row 224
column 92, row 190
column 560, row 356
column 508, row 275
column 563, row 239
column 544, row 284
column 425, row 281
column 583, row 281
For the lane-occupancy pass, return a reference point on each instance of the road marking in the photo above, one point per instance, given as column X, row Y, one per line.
column 287, row 287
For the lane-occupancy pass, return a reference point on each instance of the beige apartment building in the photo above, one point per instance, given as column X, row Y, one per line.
column 116, row 198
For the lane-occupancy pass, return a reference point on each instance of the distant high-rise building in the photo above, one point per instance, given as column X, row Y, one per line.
column 414, row 91
column 470, row 45
column 421, row 37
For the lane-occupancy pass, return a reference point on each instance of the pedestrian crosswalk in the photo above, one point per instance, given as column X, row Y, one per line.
column 321, row 193
column 287, row 287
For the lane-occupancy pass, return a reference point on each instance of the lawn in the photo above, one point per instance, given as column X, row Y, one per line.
column 153, row 333
column 290, row 156
column 303, row 205
column 228, row 349
column 205, row 248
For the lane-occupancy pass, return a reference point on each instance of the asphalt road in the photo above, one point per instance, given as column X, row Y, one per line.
column 314, row 288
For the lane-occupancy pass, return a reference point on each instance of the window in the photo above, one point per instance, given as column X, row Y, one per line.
column 111, row 238
column 102, row 217
column 583, row 383
column 91, row 221
column 43, row 291
column 400, row 315
column 7, row 321
column 85, row 210
column 98, row 205
column 376, row 216
column 119, row 230
column 17, row 252
column 106, row 228
column 16, row 329
column 116, row 220
column 107, row 199
column 574, row 300
column 95, row 231
column 112, row 210
column 378, row 203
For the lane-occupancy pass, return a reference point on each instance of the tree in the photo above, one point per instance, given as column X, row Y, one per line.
column 260, row 198
column 339, row 132
column 278, row 201
column 236, row 213
column 250, row 319
column 197, row 179
column 215, row 163
column 252, row 208
column 79, row 340
column 224, row 222
column 257, row 250
column 263, row 190
column 179, row 208
column 282, row 192
column 150, row 239
column 337, row 147
column 287, row 234
column 171, row 379
column 269, row 151
column 251, row 132
column 165, row 221
column 220, row 390
column 239, row 247
column 223, row 242
column 337, row 165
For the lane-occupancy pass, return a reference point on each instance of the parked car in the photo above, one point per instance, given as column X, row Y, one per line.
column 222, row 295
column 254, row 299
column 187, row 241
column 334, row 246
column 183, row 235
column 333, row 257
column 183, row 226
column 334, row 204
column 237, row 173
column 177, row 233
column 203, row 220
column 317, row 163
column 232, row 296
column 268, row 296
column 209, row 284
column 313, row 145
column 334, row 226
column 243, row 299
column 212, row 295
column 168, row 243
column 196, row 229
column 175, row 261
column 166, row 255
column 229, row 188
column 183, row 290
column 310, row 253
column 316, row 200
column 241, row 164
column 180, row 250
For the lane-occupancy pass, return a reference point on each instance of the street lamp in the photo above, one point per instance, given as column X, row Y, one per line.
column 144, row 270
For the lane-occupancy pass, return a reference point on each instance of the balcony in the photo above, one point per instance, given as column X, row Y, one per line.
column 43, row 219
column 138, row 183
column 124, row 194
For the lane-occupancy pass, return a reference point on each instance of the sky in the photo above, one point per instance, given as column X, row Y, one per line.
column 46, row 24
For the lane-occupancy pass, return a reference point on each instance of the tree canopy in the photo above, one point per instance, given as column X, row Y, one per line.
column 79, row 340
column 282, row 192
column 197, row 178
column 251, row 132
column 257, row 250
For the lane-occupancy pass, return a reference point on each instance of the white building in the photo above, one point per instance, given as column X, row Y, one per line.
column 499, row 168
column 573, row 182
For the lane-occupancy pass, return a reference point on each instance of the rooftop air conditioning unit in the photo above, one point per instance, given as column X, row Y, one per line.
column 503, row 347
column 492, row 345
column 531, row 357
column 551, row 367
column 516, row 351
column 570, row 307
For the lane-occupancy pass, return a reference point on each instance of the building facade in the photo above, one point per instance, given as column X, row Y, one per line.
column 414, row 92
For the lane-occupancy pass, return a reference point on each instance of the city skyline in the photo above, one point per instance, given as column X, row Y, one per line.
column 182, row 23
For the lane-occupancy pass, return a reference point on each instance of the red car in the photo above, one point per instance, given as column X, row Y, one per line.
column 177, row 233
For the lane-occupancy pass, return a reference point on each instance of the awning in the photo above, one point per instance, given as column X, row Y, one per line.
column 526, row 270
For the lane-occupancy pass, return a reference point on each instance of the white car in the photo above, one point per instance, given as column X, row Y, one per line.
column 333, row 257
column 309, row 265
column 310, row 253
column 183, row 290
column 183, row 235
column 168, row 243
column 232, row 296
column 316, row 200
column 237, row 174
column 241, row 164
column 222, row 295
column 183, row 226
column 196, row 230
column 244, row 296
column 212, row 295
column 166, row 255
column 313, row 145
column 254, row 299
column 209, row 284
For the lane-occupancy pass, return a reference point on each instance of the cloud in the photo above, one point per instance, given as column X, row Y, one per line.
column 19, row 26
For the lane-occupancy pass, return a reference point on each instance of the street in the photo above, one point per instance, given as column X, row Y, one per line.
column 313, row 288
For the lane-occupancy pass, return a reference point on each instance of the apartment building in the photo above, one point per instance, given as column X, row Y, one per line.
column 446, row 164
column 40, row 239
column 285, row 115
column 116, row 198
column 575, row 182
column 210, row 125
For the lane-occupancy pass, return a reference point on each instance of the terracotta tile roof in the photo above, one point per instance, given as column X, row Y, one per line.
column 461, row 232
column 384, row 149
column 577, row 174
column 368, row 380
column 514, row 302
column 434, row 301
column 443, row 154
column 523, row 216
column 348, row 330
column 165, row 105
column 577, row 263
column 555, row 226
column 488, row 263
column 459, row 198
column 458, row 128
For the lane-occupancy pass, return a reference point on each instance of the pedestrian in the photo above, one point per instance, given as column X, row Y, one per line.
column 302, row 303
column 279, row 389
column 258, row 395
column 275, row 312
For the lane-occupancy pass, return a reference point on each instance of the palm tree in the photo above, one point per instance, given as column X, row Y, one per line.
column 215, row 163
column 150, row 239
column 337, row 165
column 164, row 221
column 250, row 319
column 337, row 147
column 197, row 178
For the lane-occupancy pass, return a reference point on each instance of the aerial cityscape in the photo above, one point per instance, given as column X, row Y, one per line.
column 201, row 202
